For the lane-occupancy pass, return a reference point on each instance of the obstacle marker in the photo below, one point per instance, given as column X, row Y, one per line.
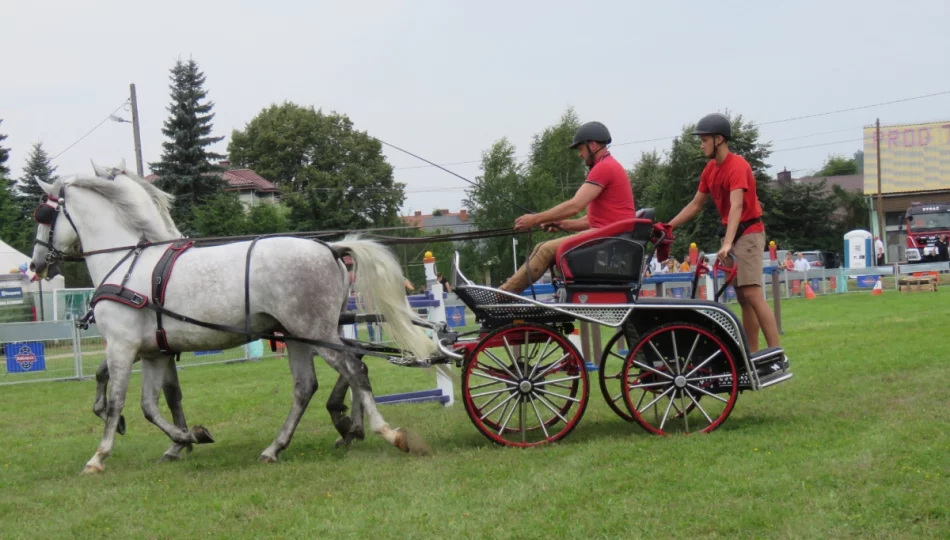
column 444, row 391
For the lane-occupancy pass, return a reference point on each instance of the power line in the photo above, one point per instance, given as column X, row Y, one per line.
column 770, row 122
column 104, row 120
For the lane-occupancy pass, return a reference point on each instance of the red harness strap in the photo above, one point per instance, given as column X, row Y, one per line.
column 160, row 277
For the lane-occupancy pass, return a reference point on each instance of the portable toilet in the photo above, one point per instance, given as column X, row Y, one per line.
column 857, row 249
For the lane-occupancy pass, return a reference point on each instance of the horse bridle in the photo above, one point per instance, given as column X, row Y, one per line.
column 46, row 213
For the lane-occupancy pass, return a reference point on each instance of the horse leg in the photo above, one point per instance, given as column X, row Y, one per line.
column 352, row 368
column 172, row 390
column 300, row 357
column 153, row 378
column 102, row 401
column 119, row 359
column 350, row 427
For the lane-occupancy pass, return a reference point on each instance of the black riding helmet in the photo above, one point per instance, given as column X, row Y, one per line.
column 591, row 131
column 714, row 124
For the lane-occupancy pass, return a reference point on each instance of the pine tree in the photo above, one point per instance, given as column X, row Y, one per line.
column 4, row 156
column 38, row 167
column 9, row 209
column 186, row 169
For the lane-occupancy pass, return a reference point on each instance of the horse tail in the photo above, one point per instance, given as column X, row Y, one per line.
column 379, row 286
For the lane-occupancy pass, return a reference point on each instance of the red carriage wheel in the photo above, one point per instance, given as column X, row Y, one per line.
column 610, row 373
column 525, row 385
column 670, row 370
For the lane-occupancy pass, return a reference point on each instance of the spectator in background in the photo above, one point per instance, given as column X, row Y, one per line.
column 879, row 251
column 801, row 263
column 789, row 262
column 446, row 287
column 943, row 248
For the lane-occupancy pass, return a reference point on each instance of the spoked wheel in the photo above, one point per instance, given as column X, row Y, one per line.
column 525, row 385
column 680, row 378
column 611, row 373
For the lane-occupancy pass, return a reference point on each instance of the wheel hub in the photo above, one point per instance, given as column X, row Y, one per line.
column 525, row 386
column 680, row 381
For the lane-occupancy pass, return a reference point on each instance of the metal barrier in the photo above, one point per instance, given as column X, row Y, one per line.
column 58, row 351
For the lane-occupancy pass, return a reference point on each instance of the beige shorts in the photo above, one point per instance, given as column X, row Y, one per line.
column 748, row 250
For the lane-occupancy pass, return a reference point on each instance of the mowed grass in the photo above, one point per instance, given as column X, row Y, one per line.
column 856, row 445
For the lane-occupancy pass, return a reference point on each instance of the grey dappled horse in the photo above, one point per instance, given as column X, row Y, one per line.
column 296, row 286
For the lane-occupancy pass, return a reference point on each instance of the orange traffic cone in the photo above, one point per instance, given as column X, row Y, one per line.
column 878, row 288
column 809, row 294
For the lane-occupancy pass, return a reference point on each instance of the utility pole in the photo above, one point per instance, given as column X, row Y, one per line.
column 880, row 200
column 135, row 128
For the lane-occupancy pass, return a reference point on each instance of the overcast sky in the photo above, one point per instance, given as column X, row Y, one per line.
column 445, row 79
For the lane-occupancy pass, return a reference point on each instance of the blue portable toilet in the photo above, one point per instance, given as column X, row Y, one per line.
column 857, row 249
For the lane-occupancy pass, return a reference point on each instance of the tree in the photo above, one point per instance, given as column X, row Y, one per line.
column 185, row 169
column 647, row 178
column 27, row 195
column 853, row 208
column 38, row 167
column 4, row 156
column 222, row 215
column 859, row 161
column 268, row 219
column 332, row 176
column 554, row 171
column 803, row 216
column 837, row 165
column 489, row 205
column 9, row 209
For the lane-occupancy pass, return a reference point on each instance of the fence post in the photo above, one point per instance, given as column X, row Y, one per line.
column 77, row 351
column 777, row 300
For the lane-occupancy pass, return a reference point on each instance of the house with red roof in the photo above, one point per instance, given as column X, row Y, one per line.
column 251, row 188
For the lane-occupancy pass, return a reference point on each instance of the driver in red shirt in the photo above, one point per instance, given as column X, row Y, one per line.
column 606, row 193
column 729, row 182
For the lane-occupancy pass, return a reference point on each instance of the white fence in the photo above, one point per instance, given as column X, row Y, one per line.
column 57, row 350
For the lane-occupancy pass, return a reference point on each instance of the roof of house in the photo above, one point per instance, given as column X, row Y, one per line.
column 455, row 222
column 240, row 180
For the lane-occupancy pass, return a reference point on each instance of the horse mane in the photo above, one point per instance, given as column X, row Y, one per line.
column 130, row 209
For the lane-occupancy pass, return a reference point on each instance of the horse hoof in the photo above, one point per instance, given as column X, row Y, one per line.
column 344, row 425
column 121, row 428
column 93, row 469
column 342, row 443
column 201, row 435
column 267, row 459
column 168, row 458
column 410, row 442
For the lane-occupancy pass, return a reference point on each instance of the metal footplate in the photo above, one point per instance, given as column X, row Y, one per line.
column 771, row 366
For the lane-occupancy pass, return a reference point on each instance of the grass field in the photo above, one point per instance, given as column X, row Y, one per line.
column 856, row 445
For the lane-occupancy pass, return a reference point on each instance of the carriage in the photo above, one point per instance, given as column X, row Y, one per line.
column 673, row 365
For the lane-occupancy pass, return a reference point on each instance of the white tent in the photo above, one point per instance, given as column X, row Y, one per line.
column 10, row 262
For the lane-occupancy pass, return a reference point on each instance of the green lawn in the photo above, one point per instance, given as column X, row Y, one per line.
column 856, row 445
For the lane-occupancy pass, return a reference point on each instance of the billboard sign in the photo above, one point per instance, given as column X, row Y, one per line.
column 914, row 157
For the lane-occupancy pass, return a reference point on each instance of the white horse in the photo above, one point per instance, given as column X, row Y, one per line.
column 295, row 286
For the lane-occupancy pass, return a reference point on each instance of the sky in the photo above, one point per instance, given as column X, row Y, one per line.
column 446, row 79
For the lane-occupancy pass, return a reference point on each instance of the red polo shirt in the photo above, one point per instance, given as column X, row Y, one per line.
column 734, row 173
column 615, row 202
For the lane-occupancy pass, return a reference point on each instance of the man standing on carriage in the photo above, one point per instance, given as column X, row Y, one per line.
column 606, row 193
column 729, row 182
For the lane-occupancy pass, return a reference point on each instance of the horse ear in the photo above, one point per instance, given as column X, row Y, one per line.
column 121, row 166
column 100, row 172
column 48, row 188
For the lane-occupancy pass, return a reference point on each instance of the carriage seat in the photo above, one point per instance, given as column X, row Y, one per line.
column 608, row 255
